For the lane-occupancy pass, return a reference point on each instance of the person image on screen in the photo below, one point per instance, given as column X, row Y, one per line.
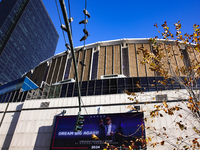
column 109, row 129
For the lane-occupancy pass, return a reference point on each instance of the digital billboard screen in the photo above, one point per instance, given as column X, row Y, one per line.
column 116, row 129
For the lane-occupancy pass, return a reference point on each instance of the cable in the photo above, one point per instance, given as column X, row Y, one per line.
column 85, row 18
column 70, row 15
column 91, row 122
column 60, row 21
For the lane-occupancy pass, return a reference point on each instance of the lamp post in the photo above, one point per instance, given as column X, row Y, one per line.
column 68, row 30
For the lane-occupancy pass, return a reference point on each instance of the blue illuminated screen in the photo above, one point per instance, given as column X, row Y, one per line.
column 115, row 129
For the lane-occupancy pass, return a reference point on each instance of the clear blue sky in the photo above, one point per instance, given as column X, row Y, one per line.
column 117, row 19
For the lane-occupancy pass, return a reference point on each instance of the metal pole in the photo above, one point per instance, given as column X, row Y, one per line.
column 62, row 4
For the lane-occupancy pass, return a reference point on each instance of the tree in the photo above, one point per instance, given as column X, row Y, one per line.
column 181, row 129
column 186, row 48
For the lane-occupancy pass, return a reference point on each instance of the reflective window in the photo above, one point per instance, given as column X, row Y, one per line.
column 57, row 91
column 51, row 92
column 70, row 89
column 91, row 88
column 27, row 33
column 63, row 90
column 67, row 68
column 95, row 65
column 125, row 62
column 84, row 88
column 24, row 96
column 16, row 96
column 98, row 89
column 105, row 86
column 20, row 96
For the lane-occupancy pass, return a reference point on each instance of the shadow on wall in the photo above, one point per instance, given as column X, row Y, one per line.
column 12, row 127
column 43, row 140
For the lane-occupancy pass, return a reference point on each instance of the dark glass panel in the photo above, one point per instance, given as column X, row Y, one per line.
column 67, row 68
column 113, row 90
column 98, row 91
column 95, row 65
column 120, row 89
column 106, row 90
column 12, row 95
column 152, row 80
column 98, row 83
column 69, row 94
column 3, row 98
column 130, row 89
column 70, row 87
column 91, row 84
column 161, row 87
column 57, row 91
column 83, row 93
column 20, row 96
column 84, row 85
column 105, row 83
column 51, row 92
column 128, row 81
column 113, row 82
column 90, row 92
column 121, row 81
column 16, row 96
column 143, row 80
column 75, row 93
column 125, row 62
column 63, row 90
column 24, row 96
column 144, row 88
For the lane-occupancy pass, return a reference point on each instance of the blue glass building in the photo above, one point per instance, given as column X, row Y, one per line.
column 27, row 37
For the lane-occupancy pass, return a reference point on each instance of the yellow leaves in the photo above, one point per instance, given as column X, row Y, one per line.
column 149, row 139
column 196, row 130
column 107, row 144
column 142, row 127
column 94, row 137
column 156, row 25
column 181, row 126
column 165, row 104
column 163, row 82
column 162, row 143
column 137, row 85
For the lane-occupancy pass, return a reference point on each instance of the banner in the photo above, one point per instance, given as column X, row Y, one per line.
column 119, row 130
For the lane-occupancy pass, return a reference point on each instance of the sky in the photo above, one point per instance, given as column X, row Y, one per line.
column 119, row 19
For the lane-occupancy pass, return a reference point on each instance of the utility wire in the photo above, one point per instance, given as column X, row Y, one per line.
column 84, row 46
column 85, row 18
column 91, row 122
column 60, row 21
column 70, row 15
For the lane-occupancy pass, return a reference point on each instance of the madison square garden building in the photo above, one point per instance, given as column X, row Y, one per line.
column 43, row 115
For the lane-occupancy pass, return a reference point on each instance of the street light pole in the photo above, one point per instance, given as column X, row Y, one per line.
column 63, row 8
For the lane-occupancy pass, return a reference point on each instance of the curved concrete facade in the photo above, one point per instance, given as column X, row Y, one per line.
column 116, row 57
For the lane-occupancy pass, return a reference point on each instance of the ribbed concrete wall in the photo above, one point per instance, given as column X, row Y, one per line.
column 27, row 126
column 114, row 57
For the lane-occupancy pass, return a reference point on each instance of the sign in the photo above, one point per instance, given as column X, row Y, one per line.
column 115, row 129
